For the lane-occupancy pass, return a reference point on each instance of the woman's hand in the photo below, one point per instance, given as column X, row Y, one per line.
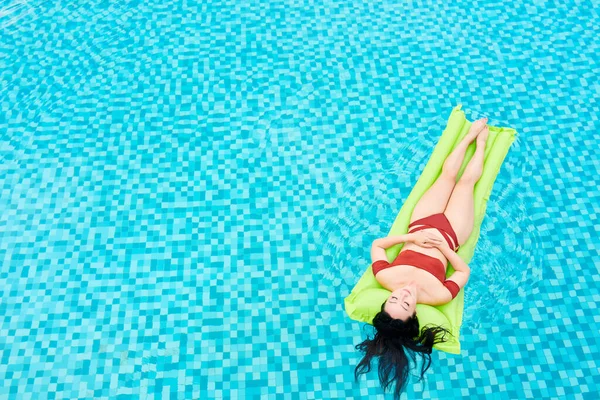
column 427, row 240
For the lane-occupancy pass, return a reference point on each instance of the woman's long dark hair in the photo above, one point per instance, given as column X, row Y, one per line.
column 393, row 339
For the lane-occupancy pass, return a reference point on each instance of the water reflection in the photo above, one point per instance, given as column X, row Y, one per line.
column 507, row 263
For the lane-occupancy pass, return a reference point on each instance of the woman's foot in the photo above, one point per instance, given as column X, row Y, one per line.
column 482, row 137
column 475, row 129
column 454, row 161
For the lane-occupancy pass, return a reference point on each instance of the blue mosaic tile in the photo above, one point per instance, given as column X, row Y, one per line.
column 188, row 191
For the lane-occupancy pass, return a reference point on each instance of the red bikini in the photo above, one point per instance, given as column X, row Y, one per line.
column 423, row 261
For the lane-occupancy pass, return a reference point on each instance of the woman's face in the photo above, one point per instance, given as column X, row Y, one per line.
column 402, row 303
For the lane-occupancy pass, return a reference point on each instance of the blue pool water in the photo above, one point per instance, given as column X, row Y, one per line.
column 188, row 191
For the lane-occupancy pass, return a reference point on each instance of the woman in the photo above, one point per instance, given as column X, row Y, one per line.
column 441, row 221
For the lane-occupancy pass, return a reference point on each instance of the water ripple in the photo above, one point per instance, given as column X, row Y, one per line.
column 508, row 260
column 364, row 206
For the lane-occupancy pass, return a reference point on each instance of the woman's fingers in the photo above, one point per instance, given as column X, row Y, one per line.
column 433, row 238
column 433, row 241
column 429, row 240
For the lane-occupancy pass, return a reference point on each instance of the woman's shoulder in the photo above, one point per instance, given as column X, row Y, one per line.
column 434, row 295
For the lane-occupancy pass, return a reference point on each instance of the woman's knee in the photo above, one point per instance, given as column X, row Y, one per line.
column 469, row 178
column 449, row 173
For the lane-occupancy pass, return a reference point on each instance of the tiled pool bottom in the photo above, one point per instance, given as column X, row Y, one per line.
column 189, row 190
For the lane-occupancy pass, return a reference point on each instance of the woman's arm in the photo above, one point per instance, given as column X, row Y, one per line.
column 379, row 245
column 462, row 271
column 392, row 240
column 457, row 263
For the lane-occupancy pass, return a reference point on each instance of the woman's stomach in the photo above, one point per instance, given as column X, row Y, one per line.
column 430, row 251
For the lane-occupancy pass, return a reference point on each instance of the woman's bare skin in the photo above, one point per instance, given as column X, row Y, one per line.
column 410, row 285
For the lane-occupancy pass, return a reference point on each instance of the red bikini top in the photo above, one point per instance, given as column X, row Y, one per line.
column 421, row 261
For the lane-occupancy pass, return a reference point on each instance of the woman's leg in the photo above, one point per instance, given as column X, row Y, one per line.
column 460, row 211
column 435, row 199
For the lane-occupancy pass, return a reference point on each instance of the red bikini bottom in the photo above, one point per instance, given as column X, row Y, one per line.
column 439, row 222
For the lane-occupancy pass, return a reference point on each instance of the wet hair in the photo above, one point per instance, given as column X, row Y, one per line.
column 395, row 339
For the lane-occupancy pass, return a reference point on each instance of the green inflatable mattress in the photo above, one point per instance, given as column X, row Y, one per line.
column 367, row 296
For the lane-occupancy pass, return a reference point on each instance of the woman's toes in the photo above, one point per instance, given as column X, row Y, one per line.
column 479, row 124
column 476, row 128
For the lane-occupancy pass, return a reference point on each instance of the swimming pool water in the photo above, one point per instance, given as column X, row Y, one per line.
column 188, row 191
